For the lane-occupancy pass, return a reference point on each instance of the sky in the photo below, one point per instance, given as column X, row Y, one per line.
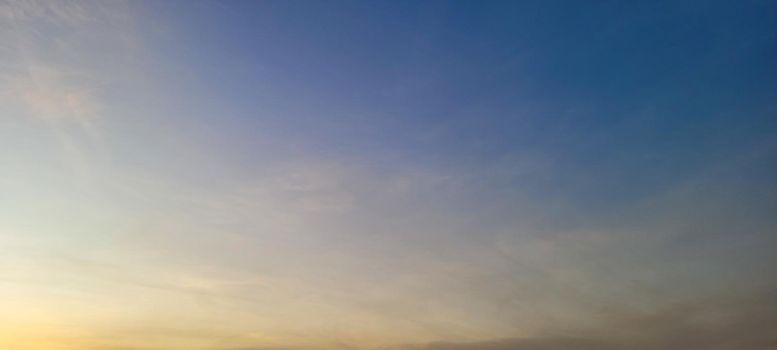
column 388, row 175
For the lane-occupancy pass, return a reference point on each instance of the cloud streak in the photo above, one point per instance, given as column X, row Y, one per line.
column 722, row 324
column 237, row 176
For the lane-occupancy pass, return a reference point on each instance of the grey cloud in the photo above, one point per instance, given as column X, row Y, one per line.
column 723, row 324
column 743, row 322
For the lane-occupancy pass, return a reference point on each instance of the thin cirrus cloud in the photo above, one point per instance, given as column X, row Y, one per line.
column 245, row 176
column 57, row 80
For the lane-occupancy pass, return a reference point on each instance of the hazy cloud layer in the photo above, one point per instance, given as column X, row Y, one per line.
column 386, row 176
column 728, row 323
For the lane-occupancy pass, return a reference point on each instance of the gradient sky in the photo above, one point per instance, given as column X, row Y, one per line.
column 388, row 175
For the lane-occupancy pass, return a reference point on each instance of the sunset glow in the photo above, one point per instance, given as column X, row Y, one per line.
column 388, row 175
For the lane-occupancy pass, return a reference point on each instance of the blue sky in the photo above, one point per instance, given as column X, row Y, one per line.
column 648, row 90
column 387, row 175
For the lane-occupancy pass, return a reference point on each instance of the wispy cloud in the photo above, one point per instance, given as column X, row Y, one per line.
column 241, row 183
column 51, row 69
column 741, row 322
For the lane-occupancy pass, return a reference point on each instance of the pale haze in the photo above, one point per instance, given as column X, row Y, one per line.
column 388, row 175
